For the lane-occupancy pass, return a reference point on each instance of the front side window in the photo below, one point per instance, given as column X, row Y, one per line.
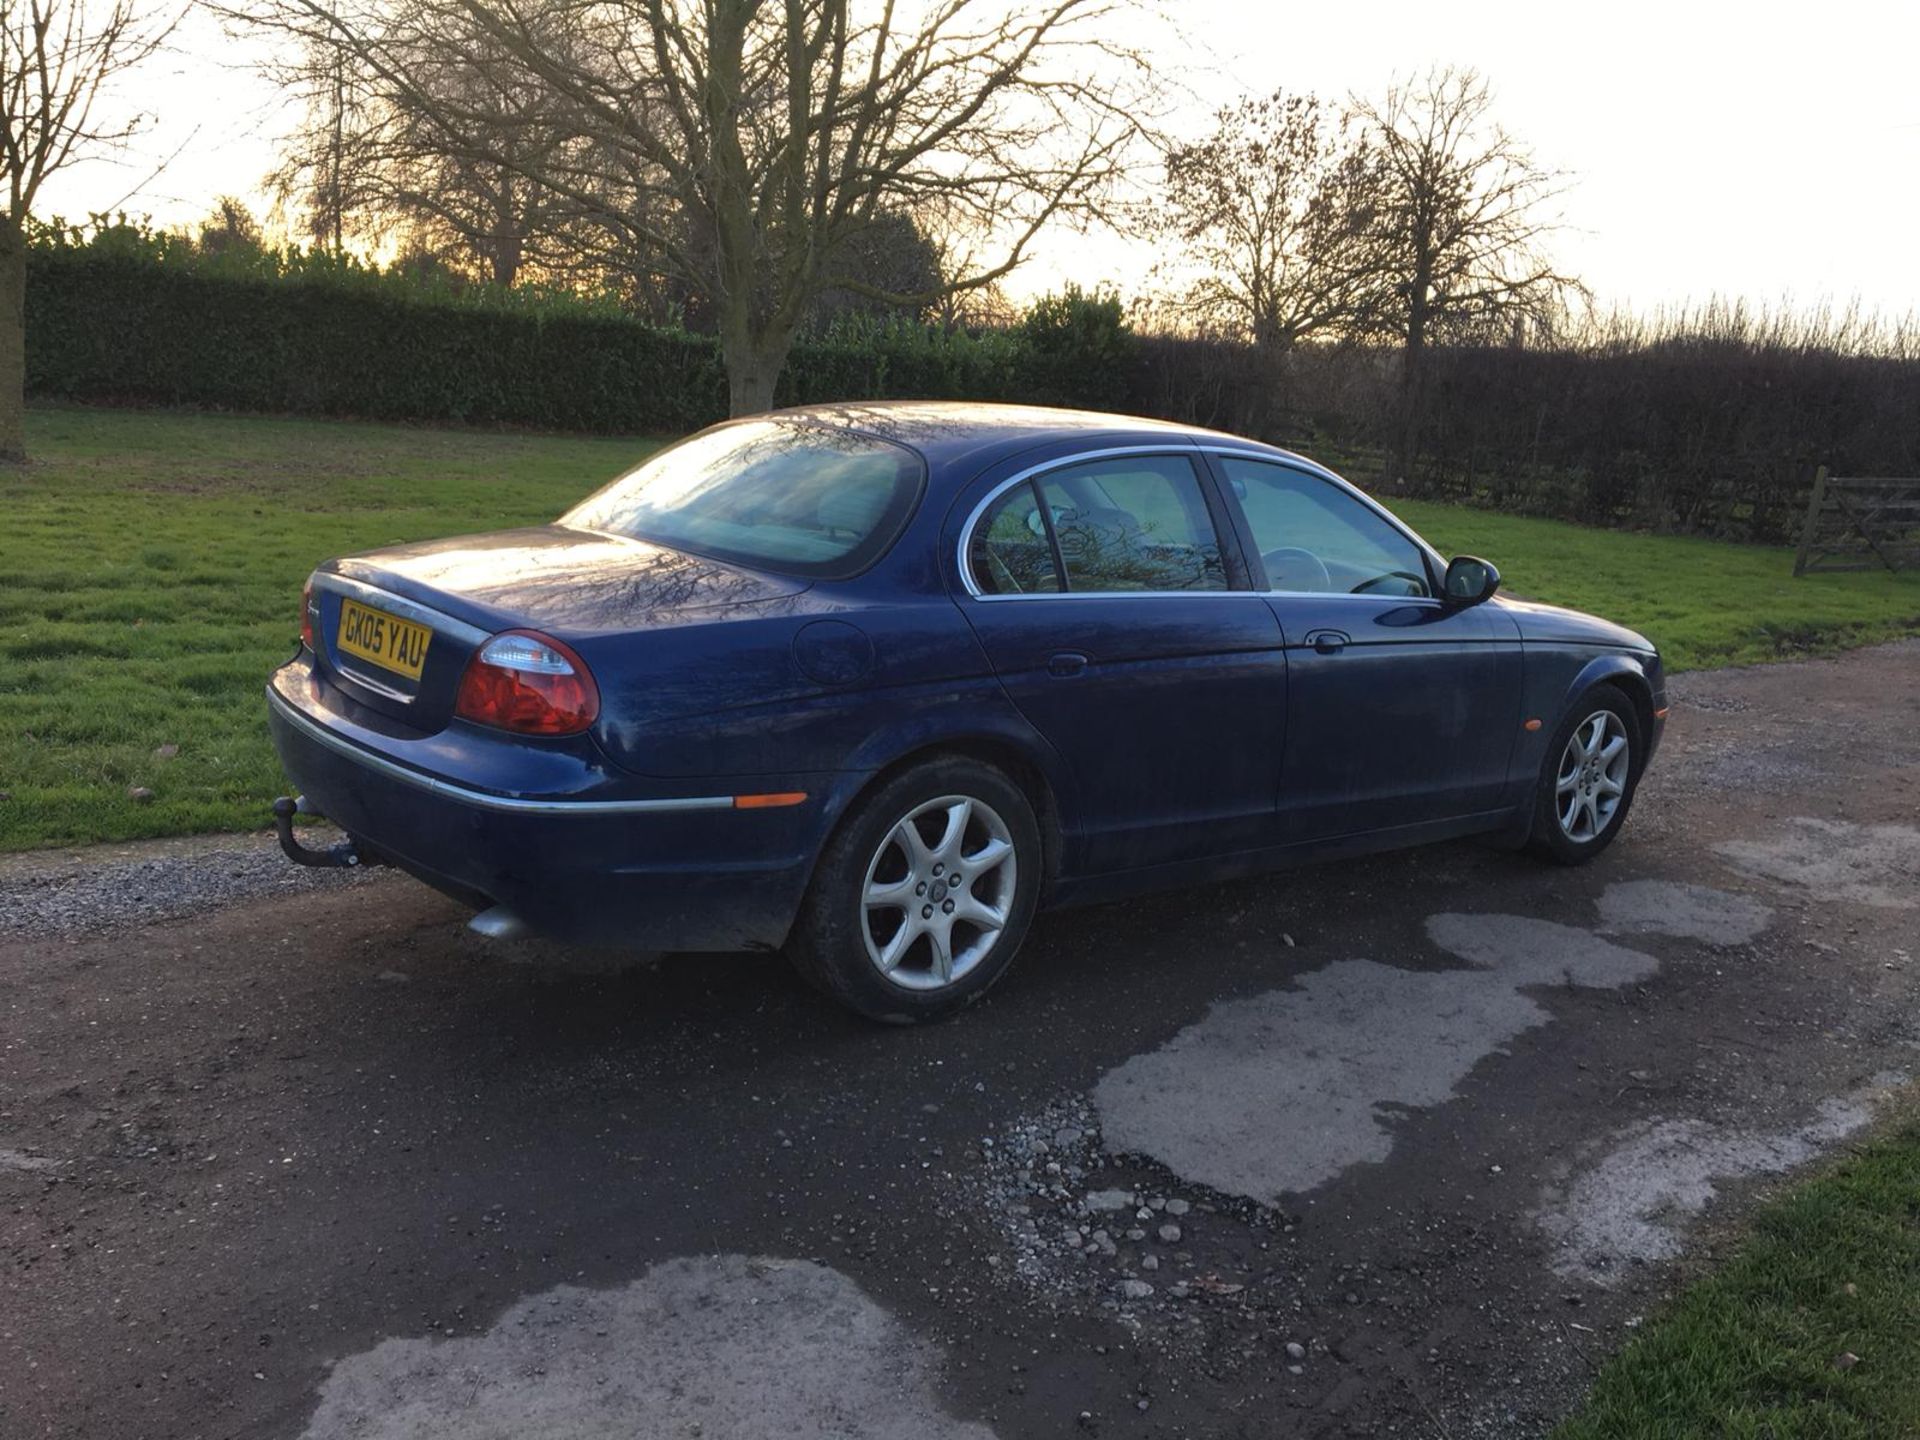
column 781, row 494
column 1133, row 522
column 1315, row 537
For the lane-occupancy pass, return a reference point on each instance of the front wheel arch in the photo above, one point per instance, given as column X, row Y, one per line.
column 1626, row 675
column 1545, row 836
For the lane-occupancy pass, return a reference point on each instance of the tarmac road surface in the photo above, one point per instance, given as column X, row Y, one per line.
column 1397, row 1147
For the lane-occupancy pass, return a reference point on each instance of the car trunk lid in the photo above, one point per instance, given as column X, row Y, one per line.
column 396, row 628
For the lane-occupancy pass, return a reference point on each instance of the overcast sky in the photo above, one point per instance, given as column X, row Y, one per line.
column 1746, row 149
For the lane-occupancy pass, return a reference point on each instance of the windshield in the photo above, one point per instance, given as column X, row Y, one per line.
column 781, row 494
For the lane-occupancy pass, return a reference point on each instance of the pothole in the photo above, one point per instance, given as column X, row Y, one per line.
column 1631, row 1205
column 1688, row 912
column 729, row 1347
column 1875, row 865
column 1282, row 1092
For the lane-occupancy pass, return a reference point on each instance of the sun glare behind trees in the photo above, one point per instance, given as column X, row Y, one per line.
column 760, row 174
column 735, row 150
column 750, row 169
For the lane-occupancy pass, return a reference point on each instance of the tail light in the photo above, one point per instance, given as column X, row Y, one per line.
column 529, row 684
column 306, row 616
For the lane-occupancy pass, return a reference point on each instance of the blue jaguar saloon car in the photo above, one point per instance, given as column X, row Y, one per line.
column 875, row 682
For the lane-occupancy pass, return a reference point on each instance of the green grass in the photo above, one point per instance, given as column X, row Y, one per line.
column 1703, row 602
column 151, row 563
column 1832, row 1268
column 150, row 574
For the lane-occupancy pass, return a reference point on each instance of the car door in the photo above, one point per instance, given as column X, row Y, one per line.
column 1127, row 634
column 1401, row 709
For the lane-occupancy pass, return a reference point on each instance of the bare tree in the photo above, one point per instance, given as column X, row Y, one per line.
column 1463, row 226
column 319, row 174
column 1277, row 209
column 752, row 140
column 367, row 159
column 56, row 57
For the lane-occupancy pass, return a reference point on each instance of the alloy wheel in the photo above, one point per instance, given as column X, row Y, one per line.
column 1592, row 778
column 938, row 892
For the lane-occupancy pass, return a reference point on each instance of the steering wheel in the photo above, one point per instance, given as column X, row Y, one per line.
column 1418, row 582
column 1291, row 568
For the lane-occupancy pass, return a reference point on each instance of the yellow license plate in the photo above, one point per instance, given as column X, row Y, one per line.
column 387, row 640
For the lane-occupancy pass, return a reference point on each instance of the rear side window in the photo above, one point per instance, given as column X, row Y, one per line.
column 782, row 495
column 1010, row 553
column 1133, row 522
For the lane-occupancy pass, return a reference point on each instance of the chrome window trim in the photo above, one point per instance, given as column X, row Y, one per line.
column 1286, row 462
column 481, row 799
column 1187, row 452
column 435, row 620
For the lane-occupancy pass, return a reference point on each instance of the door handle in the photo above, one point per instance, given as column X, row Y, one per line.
column 1327, row 642
column 1066, row 664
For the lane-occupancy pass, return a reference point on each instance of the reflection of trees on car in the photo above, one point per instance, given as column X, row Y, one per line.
column 1112, row 550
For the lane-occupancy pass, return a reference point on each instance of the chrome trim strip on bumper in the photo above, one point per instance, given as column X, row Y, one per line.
column 481, row 798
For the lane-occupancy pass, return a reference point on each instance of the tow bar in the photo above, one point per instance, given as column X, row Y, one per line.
column 338, row 856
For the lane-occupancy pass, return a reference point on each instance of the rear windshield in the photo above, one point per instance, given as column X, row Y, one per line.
column 778, row 494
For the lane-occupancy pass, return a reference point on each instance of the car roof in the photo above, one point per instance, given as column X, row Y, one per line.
column 970, row 436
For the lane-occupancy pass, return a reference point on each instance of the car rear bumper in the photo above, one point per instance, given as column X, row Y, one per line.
column 589, row 861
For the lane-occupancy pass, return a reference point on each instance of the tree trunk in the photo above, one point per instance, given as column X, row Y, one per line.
column 505, row 260
column 1406, row 446
column 754, row 363
column 750, row 386
column 13, row 341
column 1406, row 449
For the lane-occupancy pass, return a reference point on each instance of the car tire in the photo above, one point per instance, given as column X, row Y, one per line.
column 1586, row 784
column 885, row 929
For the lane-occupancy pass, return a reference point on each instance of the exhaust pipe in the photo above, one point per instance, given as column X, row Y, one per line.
column 342, row 856
column 499, row 923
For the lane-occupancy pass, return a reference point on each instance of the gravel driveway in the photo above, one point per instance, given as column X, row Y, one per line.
column 1403, row 1146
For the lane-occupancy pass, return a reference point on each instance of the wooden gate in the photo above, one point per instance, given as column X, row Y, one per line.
column 1859, row 524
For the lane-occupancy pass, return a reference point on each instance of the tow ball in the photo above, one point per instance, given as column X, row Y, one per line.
column 339, row 856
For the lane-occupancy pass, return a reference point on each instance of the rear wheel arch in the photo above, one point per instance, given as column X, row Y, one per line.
column 832, row 942
column 1004, row 755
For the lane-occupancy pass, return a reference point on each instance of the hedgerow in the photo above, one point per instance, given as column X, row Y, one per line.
column 128, row 316
column 1710, row 422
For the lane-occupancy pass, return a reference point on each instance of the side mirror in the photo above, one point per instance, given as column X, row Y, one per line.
column 1469, row 581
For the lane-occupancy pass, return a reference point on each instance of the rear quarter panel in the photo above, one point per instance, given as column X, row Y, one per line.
column 827, row 684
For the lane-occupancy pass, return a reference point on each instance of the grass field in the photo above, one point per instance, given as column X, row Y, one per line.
column 1703, row 602
column 151, row 564
column 1757, row 1349
column 150, row 575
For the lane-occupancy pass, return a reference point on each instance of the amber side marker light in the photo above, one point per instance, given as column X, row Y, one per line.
column 777, row 801
column 1533, row 725
column 1661, row 713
